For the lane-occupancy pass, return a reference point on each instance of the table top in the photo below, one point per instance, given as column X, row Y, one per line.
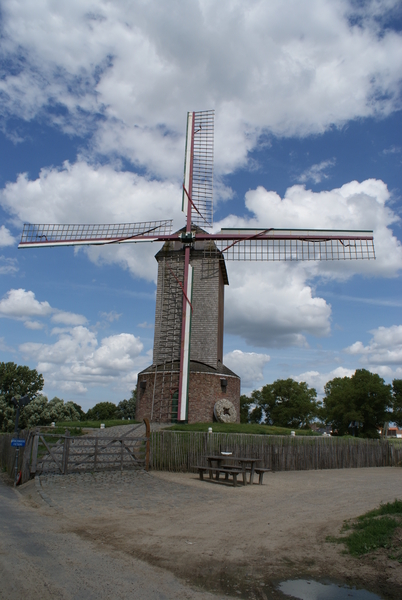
column 231, row 457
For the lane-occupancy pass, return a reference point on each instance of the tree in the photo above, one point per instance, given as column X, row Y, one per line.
column 126, row 408
column 38, row 412
column 16, row 380
column 79, row 411
column 42, row 412
column 363, row 399
column 397, row 402
column 245, row 405
column 103, row 411
column 7, row 415
column 285, row 403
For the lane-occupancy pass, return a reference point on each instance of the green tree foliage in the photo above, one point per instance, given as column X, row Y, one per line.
column 126, row 408
column 16, row 380
column 79, row 411
column 103, row 411
column 7, row 415
column 38, row 412
column 285, row 403
column 245, row 406
column 363, row 398
column 397, row 401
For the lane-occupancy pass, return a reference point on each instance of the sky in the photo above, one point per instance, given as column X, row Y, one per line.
column 93, row 102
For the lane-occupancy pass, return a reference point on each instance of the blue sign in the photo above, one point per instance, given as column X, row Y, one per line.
column 18, row 443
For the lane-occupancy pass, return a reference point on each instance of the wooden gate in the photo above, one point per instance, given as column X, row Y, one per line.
column 52, row 453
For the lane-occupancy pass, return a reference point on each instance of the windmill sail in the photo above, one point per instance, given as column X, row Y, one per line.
column 199, row 167
column 37, row 236
column 175, row 293
column 293, row 244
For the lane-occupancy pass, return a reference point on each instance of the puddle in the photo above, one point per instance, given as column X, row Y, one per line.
column 304, row 589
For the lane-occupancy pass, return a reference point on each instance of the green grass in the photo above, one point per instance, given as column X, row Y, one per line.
column 60, row 430
column 372, row 531
column 95, row 424
column 250, row 428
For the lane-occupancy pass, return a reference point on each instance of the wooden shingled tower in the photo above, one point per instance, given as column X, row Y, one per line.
column 187, row 377
column 209, row 380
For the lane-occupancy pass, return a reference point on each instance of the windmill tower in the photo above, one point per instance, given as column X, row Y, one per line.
column 187, row 370
column 209, row 379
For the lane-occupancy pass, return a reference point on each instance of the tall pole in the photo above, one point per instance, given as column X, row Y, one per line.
column 187, row 286
column 16, row 436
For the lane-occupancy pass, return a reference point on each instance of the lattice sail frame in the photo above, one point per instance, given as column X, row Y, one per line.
column 36, row 236
column 199, row 167
column 296, row 245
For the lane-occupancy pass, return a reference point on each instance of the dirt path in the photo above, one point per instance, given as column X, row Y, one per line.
column 41, row 560
column 240, row 541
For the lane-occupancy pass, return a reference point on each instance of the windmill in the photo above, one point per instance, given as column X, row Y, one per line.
column 196, row 254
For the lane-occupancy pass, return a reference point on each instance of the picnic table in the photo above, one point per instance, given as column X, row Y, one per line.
column 232, row 466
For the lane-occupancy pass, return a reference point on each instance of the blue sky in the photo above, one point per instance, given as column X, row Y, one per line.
column 307, row 100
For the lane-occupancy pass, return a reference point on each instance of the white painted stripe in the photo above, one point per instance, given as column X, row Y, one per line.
column 86, row 243
column 186, row 355
column 187, row 161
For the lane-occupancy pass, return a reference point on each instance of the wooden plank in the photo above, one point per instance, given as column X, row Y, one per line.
column 25, row 472
column 35, row 453
column 51, row 454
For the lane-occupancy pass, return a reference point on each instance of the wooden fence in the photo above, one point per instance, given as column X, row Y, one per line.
column 180, row 451
column 66, row 454
column 47, row 452
column 90, row 453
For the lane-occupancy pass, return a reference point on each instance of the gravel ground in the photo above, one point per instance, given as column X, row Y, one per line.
column 239, row 541
column 41, row 560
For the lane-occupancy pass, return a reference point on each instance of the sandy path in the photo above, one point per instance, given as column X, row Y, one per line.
column 233, row 540
column 39, row 560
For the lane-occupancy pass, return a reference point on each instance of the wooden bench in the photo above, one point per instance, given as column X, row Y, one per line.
column 260, row 472
column 225, row 470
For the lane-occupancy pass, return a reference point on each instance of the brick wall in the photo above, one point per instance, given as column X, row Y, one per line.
column 204, row 390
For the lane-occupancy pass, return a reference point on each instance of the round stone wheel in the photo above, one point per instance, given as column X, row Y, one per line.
column 224, row 411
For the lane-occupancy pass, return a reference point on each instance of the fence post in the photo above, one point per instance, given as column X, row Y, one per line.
column 96, row 454
column 35, row 447
column 66, row 450
column 147, row 446
column 26, row 458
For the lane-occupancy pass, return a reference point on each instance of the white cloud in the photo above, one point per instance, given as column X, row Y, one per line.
column 21, row 305
column 249, row 365
column 316, row 173
column 110, row 316
column 68, row 318
column 384, row 351
column 267, row 304
column 6, row 239
column 361, row 206
column 77, row 361
column 271, row 305
column 34, row 325
column 4, row 347
column 317, row 380
column 110, row 197
column 136, row 65
column 8, row 265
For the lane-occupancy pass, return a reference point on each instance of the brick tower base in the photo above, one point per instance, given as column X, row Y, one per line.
column 156, row 393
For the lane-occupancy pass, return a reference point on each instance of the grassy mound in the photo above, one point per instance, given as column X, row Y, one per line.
column 250, row 428
column 372, row 531
column 95, row 424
